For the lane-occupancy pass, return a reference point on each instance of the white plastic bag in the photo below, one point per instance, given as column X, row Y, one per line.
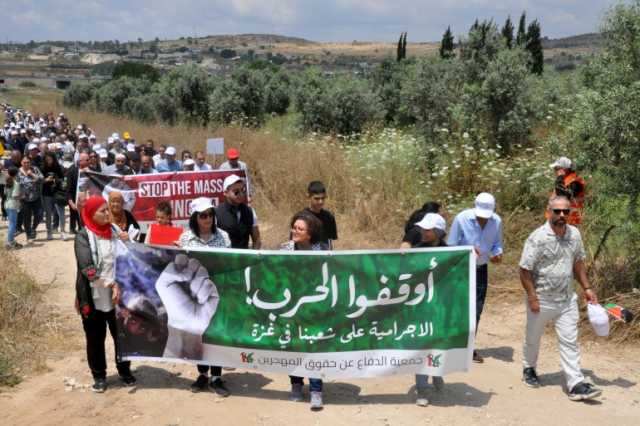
column 599, row 319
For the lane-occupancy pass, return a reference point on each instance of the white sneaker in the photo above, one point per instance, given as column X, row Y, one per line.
column 63, row 236
column 422, row 400
column 316, row 401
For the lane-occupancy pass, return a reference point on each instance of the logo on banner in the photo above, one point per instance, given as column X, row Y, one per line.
column 433, row 361
column 246, row 358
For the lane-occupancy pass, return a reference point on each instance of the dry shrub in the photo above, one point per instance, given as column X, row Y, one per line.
column 22, row 321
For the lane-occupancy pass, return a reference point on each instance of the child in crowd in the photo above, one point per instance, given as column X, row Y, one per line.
column 317, row 194
column 163, row 213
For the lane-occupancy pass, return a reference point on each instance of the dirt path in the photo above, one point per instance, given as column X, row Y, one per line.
column 491, row 394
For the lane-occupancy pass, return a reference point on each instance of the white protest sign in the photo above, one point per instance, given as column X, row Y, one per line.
column 215, row 146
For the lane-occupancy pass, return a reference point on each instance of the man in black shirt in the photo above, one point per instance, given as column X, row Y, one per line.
column 317, row 194
column 235, row 217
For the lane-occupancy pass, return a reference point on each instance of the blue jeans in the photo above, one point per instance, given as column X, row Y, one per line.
column 482, row 280
column 51, row 209
column 315, row 385
column 12, row 216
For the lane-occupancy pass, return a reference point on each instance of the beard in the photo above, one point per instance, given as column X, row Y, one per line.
column 561, row 221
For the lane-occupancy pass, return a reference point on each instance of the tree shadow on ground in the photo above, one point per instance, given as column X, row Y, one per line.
column 502, row 353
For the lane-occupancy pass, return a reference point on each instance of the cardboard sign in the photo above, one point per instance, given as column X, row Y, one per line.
column 215, row 146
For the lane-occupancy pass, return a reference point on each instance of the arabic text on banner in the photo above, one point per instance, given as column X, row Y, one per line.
column 314, row 314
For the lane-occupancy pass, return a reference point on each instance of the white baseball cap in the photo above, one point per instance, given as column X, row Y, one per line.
column 562, row 163
column 432, row 221
column 32, row 146
column 230, row 180
column 485, row 205
column 170, row 151
column 103, row 153
column 131, row 147
column 199, row 205
column 115, row 136
column 110, row 140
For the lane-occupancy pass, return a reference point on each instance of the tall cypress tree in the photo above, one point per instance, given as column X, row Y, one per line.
column 521, row 39
column 404, row 46
column 507, row 32
column 534, row 47
column 447, row 46
column 399, row 49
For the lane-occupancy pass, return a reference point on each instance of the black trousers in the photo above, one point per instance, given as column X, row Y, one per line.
column 75, row 224
column 31, row 216
column 215, row 371
column 95, row 330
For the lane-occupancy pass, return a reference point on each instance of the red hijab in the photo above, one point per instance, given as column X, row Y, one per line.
column 91, row 205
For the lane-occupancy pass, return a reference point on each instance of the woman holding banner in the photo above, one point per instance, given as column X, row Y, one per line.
column 97, row 293
column 305, row 233
column 203, row 233
column 127, row 226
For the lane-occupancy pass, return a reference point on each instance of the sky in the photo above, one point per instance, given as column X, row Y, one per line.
column 317, row 20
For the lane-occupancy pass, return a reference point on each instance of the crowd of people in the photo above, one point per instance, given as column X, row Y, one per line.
column 40, row 176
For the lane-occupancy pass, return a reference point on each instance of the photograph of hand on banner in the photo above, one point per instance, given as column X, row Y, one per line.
column 191, row 299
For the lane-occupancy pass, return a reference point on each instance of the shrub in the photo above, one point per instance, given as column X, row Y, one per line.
column 79, row 94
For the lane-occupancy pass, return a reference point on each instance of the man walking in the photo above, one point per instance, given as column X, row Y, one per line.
column 481, row 228
column 569, row 184
column 552, row 256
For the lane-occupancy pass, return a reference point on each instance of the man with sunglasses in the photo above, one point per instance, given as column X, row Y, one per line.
column 235, row 217
column 552, row 256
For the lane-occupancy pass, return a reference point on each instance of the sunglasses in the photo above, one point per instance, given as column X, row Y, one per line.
column 564, row 211
column 240, row 191
column 205, row 215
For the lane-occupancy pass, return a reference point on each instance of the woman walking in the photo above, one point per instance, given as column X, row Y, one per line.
column 30, row 180
column 305, row 233
column 52, row 193
column 97, row 293
column 203, row 232
column 121, row 218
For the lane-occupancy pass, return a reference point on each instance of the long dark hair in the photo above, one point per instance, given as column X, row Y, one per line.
column 54, row 167
column 416, row 216
column 12, row 172
column 193, row 223
column 314, row 226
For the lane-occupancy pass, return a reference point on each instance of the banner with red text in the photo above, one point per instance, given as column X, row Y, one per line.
column 143, row 192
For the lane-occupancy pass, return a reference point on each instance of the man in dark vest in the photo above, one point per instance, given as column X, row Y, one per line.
column 235, row 217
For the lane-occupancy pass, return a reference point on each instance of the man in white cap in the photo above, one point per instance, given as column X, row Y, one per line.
column 235, row 217
column 569, row 184
column 188, row 165
column 169, row 164
column 481, row 228
column 433, row 230
column 120, row 167
column 552, row 256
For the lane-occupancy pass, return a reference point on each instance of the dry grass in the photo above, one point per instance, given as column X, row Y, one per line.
column 22, row 322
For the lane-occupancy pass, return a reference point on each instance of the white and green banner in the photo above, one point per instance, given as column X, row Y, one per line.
column 321, row 314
